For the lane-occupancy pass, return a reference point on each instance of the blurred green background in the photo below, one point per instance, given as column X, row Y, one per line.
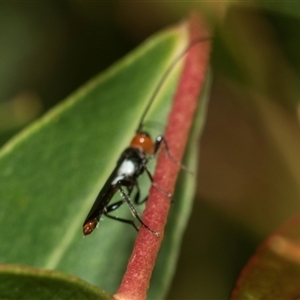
column 249, row 167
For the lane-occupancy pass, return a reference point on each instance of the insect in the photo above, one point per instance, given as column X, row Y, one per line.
column 131, row 164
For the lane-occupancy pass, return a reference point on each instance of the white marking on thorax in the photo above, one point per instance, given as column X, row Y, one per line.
column 127, row 168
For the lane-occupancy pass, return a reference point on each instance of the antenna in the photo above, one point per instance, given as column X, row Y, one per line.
column 165, row 76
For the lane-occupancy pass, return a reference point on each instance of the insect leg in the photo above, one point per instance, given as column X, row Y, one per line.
column 116, row 205
column 159, row 140
column 121, row 219
column 131, row 206
column 137, row 196
column 155, row 184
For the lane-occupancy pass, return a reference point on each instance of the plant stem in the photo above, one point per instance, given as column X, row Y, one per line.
column 136, row 279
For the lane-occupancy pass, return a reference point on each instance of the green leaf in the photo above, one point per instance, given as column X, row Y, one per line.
column 291, row 8
column 28, row 283
column 51, row 173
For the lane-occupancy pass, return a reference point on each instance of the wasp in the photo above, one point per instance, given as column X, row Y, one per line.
column 131, row 164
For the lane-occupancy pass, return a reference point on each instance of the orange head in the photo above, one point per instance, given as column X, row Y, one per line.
column 143, row 141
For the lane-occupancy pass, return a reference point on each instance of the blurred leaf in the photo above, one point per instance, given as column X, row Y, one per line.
column 284, row 7
column 274, row 271
column 287, row 28
column 51, row 173
column 18, row 282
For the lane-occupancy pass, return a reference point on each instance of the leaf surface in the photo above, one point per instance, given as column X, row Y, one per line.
column 274, row 271
column 28, row 283
column 51, row 173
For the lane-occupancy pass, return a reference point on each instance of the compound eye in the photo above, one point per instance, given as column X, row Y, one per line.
column 143, row 141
